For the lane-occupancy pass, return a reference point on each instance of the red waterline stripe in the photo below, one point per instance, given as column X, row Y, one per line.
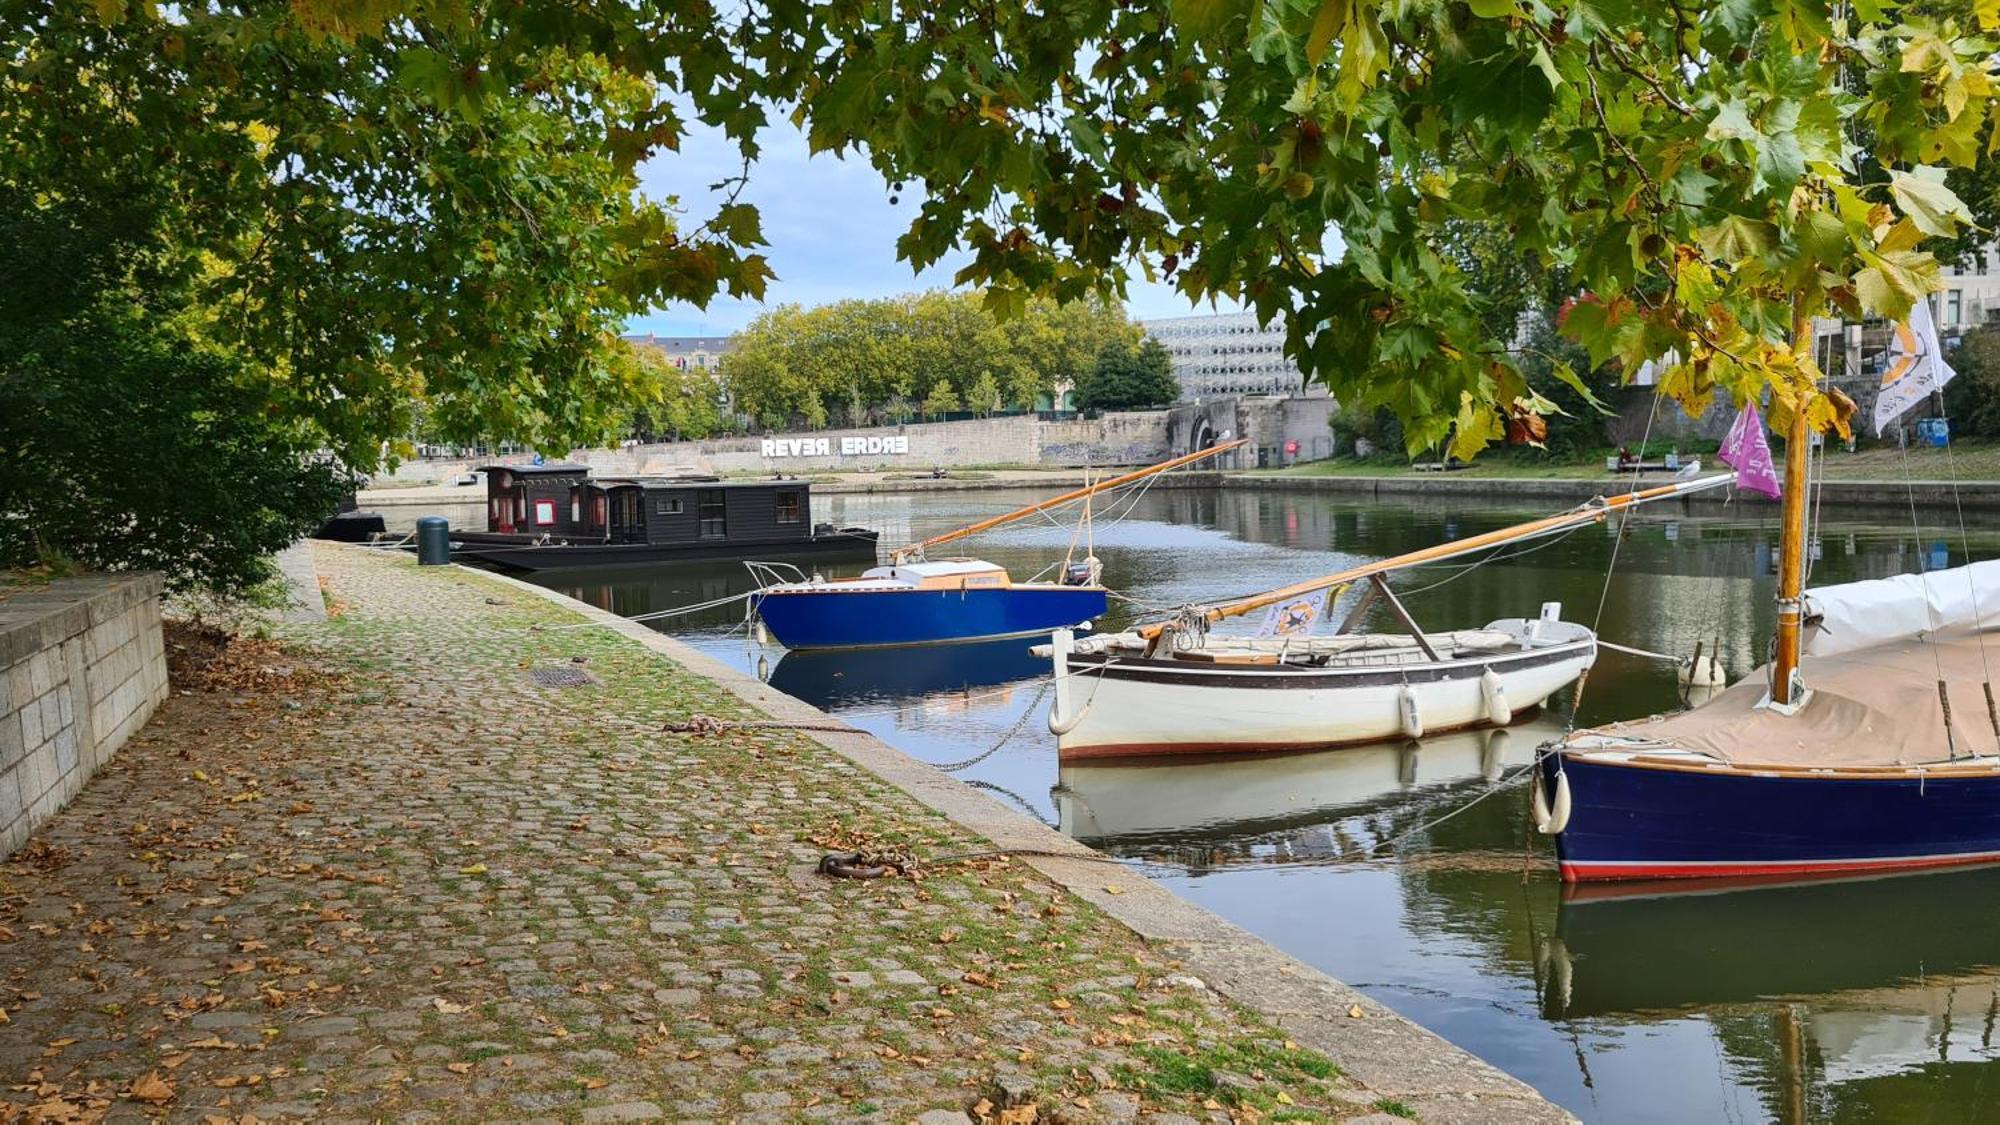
column 1604, row 871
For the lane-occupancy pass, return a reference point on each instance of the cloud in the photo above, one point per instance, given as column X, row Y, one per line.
column 831, row 228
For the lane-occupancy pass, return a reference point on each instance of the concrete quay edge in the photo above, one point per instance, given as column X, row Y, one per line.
column 1387, row 1054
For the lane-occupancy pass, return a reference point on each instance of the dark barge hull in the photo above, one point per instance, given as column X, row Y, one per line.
column 854, row 543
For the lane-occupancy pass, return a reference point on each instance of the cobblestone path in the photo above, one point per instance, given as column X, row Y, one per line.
column 431, row 887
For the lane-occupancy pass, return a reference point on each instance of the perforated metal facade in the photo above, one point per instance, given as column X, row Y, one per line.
column 1226, row 354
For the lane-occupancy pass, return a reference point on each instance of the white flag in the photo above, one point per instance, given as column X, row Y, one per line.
column 1916, row 366
column 1297, row 616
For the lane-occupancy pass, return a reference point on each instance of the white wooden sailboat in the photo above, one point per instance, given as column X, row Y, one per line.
column 1172, row 688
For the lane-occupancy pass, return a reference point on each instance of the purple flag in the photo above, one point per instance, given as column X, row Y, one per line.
column 1746, row 451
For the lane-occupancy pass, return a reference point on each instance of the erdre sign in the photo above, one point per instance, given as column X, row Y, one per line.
column 824, row 447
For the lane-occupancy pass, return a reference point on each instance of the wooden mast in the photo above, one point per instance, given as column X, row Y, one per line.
column 1791, row 558
column 1792, row 536
column 900, row 554
column 1590, row 513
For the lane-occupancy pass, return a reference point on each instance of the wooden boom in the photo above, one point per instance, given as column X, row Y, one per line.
column 901, row 553
column 1591, row 512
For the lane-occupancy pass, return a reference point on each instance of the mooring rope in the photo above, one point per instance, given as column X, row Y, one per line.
column 1602, row 643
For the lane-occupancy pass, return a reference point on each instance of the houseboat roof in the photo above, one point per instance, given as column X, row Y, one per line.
column 654, row 482
column 563, row 469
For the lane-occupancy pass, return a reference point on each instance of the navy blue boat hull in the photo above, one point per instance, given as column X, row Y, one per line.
column 1642, row 822
column 816, row 619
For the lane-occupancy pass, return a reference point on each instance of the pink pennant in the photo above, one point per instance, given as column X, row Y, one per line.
column 1746, row 450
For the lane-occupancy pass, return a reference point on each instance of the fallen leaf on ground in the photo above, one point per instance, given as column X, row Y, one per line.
column 151, row 1088
column 1354, row 1012
column 593, row 1083
column 447, row 1007
column 459, row 1067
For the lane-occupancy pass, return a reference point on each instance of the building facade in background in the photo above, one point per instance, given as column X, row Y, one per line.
column 1228, row 354
column 690, row 353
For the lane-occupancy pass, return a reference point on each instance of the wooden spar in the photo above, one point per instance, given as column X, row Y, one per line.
column 1590, row 513
column 901, row 553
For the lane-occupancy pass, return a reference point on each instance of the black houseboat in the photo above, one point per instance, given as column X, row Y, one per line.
column 549, row 517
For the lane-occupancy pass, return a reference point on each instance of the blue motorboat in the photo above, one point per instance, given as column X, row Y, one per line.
column 919, row 601
column 942, row 602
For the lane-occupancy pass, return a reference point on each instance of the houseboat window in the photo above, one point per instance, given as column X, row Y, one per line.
column 576, row 505
column 789, row 509
column 545, row 512
column 669, row 507
column 711, row 507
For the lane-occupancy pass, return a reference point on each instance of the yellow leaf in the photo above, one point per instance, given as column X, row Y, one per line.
column 1284, row 1098
column 593, row 1083
column 1354, row 1012
column 473, row 869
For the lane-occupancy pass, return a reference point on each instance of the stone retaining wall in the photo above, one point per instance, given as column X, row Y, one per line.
column 1134, row 437
column 82, row 666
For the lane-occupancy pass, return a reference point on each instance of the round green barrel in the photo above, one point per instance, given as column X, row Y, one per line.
column 433, row 541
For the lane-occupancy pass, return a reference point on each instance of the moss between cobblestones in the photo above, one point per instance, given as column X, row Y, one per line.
column 476, row 897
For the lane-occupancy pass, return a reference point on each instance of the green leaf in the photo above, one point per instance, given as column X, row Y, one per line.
column 1737, row 238
column 740, row 224
column 1087, row 138
column 1892, row 282
column 1575, row 382
column 1205, row 19
column 1922, row 195
column 1823, row 237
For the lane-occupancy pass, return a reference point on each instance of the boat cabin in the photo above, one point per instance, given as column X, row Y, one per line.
column 944, row 574
column 564, row 503
column 535, row 499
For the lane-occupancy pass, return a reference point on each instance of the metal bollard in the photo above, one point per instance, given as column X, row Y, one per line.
column 433, row 541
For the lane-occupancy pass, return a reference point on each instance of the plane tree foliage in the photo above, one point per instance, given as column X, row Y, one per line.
column 393, row 200
column 1129, row 378
column 858, row 361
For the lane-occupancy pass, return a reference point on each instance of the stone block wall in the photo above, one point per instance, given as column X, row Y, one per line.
column 1134, row 437
column 82, row 665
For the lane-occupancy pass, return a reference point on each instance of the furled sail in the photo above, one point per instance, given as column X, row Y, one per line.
column 1880, row 611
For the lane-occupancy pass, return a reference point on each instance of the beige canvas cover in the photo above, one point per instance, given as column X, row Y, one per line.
column 1875, row 707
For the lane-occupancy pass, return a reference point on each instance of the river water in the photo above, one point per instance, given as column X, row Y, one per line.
column 1862, row 1000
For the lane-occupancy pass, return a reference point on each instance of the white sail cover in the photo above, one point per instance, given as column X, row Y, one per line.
column 1857, row 615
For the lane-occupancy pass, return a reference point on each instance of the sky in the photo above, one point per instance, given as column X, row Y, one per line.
column 831, row 228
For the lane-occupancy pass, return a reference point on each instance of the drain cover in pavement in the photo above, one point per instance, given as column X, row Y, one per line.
column 561, row 675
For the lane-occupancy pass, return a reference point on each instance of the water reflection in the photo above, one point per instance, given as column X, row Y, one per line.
column 1404, row 871
column 1280, row 806
column 1844, row 997
column 836, row 681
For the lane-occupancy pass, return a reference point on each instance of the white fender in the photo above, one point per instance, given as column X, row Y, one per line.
column 1412, row 717
column 763, row 635
column 1561, row 974
column 1494, row 693
column 1708, row 672
column 1060, row 645
column 1550, row 820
